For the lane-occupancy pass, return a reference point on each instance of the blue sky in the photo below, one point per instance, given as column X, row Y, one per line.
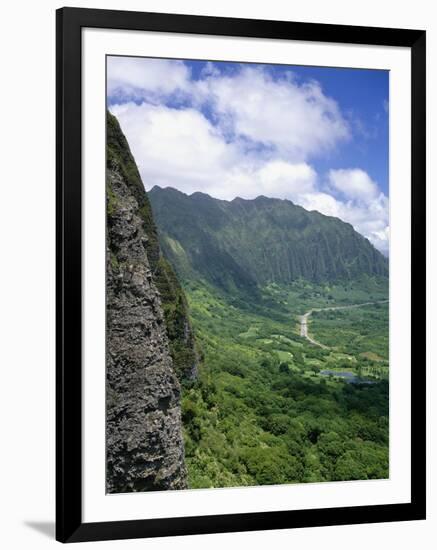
column 314, row 135
column 363, row 97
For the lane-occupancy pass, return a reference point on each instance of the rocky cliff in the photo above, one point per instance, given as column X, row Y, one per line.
column 145, row 448
column 183, row 348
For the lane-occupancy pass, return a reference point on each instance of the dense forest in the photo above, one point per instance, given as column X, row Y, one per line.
column 264, row 410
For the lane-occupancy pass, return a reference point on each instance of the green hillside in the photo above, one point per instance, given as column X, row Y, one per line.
column 242, row 244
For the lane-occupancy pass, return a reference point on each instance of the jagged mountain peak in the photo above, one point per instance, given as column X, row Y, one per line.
column 257, row 241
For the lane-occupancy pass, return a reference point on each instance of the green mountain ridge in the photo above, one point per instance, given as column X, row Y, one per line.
column 242, row 244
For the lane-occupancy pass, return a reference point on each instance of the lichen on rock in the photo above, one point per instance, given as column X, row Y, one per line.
column 144, row 444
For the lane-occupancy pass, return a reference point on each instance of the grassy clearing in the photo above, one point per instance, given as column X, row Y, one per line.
column 361, row 332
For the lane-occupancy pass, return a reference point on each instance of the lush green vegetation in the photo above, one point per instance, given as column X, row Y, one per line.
column 261, row 411
column 183, row 346
column 357, row 331
column 243, row 244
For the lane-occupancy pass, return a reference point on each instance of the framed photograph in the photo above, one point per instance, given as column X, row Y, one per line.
column 240, row 274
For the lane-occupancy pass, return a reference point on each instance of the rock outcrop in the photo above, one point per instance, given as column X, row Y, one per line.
column 145, row 449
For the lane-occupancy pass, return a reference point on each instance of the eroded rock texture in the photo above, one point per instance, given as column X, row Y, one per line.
column 145, row 448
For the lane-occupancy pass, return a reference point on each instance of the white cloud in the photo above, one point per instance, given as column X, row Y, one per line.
column 181, row 148
column 353, row 184
column 360, row 203
column 322, row 202
column 138, row 77
column 221, row 155
column 294, row 119
column 285, row 180
column 177, row 147
column 297, row 120
column 367, row 208
column 370, row 218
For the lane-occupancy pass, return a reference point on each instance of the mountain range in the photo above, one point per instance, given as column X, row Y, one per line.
column 243, row 244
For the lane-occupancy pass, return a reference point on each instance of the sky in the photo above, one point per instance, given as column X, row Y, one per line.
column 317, row 136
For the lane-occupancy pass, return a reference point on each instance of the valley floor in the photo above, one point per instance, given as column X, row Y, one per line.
column 305, row 318
column 269, row 407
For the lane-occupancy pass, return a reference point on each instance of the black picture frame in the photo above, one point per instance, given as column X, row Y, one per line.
column 69, row 525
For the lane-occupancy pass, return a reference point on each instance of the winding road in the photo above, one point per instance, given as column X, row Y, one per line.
column 304, row 319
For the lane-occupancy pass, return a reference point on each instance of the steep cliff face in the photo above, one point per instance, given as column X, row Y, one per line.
column 145, row 448
column 183, row 348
